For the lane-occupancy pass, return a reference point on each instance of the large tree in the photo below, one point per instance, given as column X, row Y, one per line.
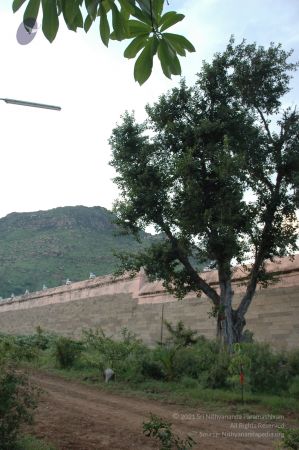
column 141, row 21
column 215, row 170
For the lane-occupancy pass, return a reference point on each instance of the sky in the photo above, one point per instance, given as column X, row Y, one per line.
column 51, row 159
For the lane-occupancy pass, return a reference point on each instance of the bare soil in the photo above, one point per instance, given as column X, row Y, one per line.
column 74, row 416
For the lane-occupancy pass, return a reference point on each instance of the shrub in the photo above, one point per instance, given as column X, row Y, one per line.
column 160, row 429
column 66, row 352
column 293, row 362
column 166, row 358
column 189, row 383
column 217, row 376
column 269, row 371
column 152, row 369
column 294, row 387
column 290, row 438
column 180, row 335
column 13, row 349
column 247, row 336
column 125, row 356
column 32, row 443
column 17, row 401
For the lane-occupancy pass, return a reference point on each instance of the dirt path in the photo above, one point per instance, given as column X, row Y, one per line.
column 74, row 416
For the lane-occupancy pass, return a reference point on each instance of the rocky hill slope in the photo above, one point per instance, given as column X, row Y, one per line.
column 47, row 247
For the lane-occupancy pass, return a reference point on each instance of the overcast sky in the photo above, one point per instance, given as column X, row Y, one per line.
column 51, row 159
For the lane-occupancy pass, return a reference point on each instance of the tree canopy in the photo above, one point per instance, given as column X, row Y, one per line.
column 215, row 169
column 141, row 21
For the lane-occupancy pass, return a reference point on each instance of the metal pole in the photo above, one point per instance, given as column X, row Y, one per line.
column 162, row 320
column 31, row 104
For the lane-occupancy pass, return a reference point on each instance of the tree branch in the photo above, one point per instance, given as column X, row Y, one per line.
column 198, row 281
column 262, row 177
column 262, row 252
column 265, row 124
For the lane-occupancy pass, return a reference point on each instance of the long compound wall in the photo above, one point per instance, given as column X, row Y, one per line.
column 140, row 306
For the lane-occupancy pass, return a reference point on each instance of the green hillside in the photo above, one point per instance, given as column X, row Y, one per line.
column 47, row 247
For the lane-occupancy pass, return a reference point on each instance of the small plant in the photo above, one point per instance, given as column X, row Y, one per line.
column 17, row 401
column 160, row 429
column 180, row 335
column 290, row 439
column 294, row 387
column 66, row 352
column 238, row 366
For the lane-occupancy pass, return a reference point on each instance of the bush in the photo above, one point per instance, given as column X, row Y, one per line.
column 180, row 335
column 152, row 369
column 189, row 383
column 293, row 362
column 294, row 387
column 32, row 443
column 17, row 401
column 12, row 349
column 269, row 371
column 165, row 357
column 66, row 352
column 290, row 438
column 125, row 356
column 161, row 430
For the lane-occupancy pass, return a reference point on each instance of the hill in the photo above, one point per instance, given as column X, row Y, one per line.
column 47, row 247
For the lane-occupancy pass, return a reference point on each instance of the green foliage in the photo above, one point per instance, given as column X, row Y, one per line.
column 146, row 29
column 294, row 387
column 17, row 348
column 67, row 352
column 199, row 152
column 239, row 361
column 167, row 357
column 161, row 430
column 290, row 439
column 269, row 371
column 47, row 247
column 152, row 369
column 126, row 356
column 180, row 335
column 18, row 399
column 32, row 443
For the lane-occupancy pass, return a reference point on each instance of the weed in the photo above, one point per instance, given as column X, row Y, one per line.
column 160, row 429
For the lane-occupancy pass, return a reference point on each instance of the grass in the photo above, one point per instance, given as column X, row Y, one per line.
column 28, row 442
column 179, row 392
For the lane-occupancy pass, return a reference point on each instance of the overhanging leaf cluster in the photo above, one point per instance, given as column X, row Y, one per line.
column 142, row 21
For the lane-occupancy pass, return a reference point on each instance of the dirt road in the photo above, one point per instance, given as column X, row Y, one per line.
column 74, row 416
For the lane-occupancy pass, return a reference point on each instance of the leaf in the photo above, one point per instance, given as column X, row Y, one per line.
column 174, row 44
column 165, row 58
column 50, row 23
column 17, row 5
column 92, row 7
column 104, row 26
column 171, row 20
column 118, row 23
column 70, row 10
column 157, row 9
column 144, row 63
column 171, row 58
column 135, row 46
column 136, row 28
column 87, row 23
column 177, row 39
column 78, row 21
column 127, row 6
column 31, row 11
column 142, row 16
column 145, row 6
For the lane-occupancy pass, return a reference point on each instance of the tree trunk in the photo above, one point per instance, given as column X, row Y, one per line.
column 225, row 329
